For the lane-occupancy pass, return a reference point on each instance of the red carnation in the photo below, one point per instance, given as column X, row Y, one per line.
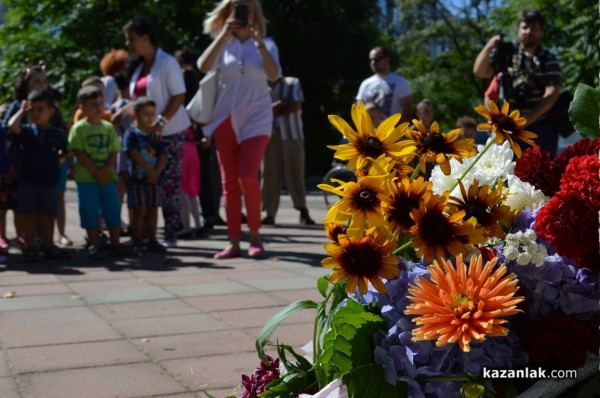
column 580, row 148
column 581, row 179
column 534, row 166
column 571, row 227
column 559, row 343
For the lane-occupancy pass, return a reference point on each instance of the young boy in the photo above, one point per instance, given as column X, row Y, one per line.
column 146, row 163
column 95, row 144
column 37, row 193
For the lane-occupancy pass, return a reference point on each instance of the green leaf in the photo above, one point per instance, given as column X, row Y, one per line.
column 274, row 322
column 212, row 396
column 298, row 379
column 322, row 285
column 584, row 111
column 348, row 343
column 368, row 381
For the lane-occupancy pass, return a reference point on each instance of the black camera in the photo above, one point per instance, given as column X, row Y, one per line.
column 501, row 56
column 241, row 13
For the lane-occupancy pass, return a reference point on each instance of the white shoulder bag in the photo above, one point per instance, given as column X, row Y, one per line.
column 200, row 108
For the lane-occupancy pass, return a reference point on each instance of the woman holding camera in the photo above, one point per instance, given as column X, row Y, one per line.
column 242, row 118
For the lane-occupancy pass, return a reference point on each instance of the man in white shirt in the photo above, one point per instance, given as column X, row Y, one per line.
column 387, row 90
column 284, row 158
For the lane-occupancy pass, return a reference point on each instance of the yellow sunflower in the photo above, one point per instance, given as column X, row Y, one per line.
column 486, row 205
column 360, row 201
column 460, row 305
column 361, row 261
column 405, row 197
column 435, row 147
column 436, row 232
column 368, row 142
column 506, row 126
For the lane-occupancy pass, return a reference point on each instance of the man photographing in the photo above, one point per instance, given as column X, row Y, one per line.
column 530, row 76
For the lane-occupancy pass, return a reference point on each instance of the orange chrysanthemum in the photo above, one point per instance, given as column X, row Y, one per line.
column 486, row 205
column 361, row 261
column 368, row 142
column 437, row 233
column 460, row 305
column 435, row 147
column 360, row 201
column 405, row 197
column 506, row 126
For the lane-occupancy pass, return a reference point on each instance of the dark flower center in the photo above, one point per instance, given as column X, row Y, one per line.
column 371, row 147
column 362, row 259
column 477, row 210
column 435, row 142
column 401, row 208
column 435, row 228
column 507, row 124
column 365, row 199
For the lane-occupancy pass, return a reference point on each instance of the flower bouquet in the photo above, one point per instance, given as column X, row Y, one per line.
column 456, row 271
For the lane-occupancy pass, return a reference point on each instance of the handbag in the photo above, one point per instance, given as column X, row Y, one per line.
column 201, row 106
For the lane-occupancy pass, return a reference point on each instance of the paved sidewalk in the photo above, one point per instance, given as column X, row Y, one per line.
column 157, row 325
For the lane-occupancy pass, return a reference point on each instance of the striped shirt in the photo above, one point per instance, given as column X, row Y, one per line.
column 530, row 74
column 289, row 126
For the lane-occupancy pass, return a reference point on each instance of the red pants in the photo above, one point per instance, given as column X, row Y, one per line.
column 240, row 167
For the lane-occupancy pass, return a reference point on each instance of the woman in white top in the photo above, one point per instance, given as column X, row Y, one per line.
column 158, row 76
column 242, row 118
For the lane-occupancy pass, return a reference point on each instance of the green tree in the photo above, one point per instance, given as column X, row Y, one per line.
column 325, row 43
column 71, row 37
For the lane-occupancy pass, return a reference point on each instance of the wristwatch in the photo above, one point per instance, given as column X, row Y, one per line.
column 162, row 121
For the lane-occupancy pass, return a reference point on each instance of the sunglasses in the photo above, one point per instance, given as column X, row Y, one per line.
column 377, row 59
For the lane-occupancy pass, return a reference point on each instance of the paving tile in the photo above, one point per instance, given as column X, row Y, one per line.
column 98, row 286
column 244, row 276
column 4, row 368
column 126, row 295
column 211, row 373
column 99, row 273
column 43, row 317
column 8, row 388
column 21, row 278
column 182, row 279
column 209, row 289
column 37, row 290
column 258, row 317
column 300, row 294
column 123, row 381
column 196, row 344
column 235, row 301
column 36, row 302
column 184, row 395
column 144, row 309
column 162, row 326
column 67, row 356
column 291, row 283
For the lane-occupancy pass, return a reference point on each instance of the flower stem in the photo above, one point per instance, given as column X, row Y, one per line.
column 488, row 146
column 416, row 172
column 404, row 246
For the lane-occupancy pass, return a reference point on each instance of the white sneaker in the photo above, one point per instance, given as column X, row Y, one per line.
column 63, row 241
column 169, row 243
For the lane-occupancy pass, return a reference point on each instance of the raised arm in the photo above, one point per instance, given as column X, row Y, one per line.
column 482, row 67
column 14, row 124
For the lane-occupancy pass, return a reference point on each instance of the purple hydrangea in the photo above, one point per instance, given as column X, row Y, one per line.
column 418, row 363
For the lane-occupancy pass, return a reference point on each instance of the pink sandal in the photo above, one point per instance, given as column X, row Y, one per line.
column 256, row 251
column 228, row 253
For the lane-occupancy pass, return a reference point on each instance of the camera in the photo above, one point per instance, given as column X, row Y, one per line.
column 241, row 13
column 501, row 55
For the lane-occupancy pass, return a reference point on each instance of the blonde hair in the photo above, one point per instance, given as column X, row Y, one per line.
column 215, row 21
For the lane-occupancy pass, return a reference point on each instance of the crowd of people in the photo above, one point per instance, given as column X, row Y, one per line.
column 131, row 141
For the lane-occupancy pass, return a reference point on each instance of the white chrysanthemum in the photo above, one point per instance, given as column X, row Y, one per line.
column 538, row 260
column 495, row 165
column 443, row 183
column 523, row 194
column 523, row 259
column 510, row 252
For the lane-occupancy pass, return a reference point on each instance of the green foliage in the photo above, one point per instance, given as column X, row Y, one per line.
column 271, row 326
column 584, row 111
column 299, row 376
column 341, row 353
column 71, row 37
column 368, row 382
column 325, row 43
